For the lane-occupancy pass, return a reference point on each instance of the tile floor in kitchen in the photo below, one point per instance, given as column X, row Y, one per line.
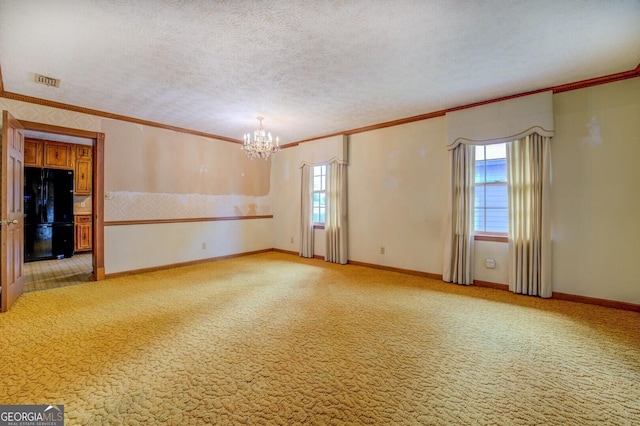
column 46, row 274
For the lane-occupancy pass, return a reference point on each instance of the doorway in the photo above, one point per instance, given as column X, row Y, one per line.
column 57, row 205
column 86, row 265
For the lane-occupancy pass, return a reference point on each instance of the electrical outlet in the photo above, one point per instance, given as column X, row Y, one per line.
column 204, row 246
column 291, row 240
column 83, row 204
column 490, row 263
column 381, row 250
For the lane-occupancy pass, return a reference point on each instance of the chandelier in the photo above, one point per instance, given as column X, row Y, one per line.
column 261, row 146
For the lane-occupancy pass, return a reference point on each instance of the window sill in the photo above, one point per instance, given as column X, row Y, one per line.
column 318, row 226
column 496, row 238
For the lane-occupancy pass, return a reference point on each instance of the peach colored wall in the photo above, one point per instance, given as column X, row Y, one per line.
column 153, row 173
column 152, row 160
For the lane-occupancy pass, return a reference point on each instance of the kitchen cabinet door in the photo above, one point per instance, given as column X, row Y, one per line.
column 83, row 231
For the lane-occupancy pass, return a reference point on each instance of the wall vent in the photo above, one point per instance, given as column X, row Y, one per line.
column 47, row 81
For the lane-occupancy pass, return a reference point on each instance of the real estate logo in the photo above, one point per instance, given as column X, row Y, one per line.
column 32, row 415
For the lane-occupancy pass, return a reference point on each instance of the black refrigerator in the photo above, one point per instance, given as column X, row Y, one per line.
column 48, row 207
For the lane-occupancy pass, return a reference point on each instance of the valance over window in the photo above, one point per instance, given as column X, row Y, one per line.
column 323, row 151
column 503, row 121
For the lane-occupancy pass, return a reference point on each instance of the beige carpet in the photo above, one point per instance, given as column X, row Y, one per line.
column 275, row 339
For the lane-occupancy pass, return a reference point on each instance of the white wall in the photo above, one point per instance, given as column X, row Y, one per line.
column 133, row 247
column 499, row 252
column 398, row 186
column 285, row 184
column 398, row 183
column 596, row 192
column 285, row 198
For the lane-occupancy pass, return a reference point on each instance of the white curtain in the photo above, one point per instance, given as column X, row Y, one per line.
column 335, row 226
column 529, row 183
column 306, row 222
column 458, row 256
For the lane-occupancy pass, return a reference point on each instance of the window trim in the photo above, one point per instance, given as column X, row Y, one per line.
column 496, row 237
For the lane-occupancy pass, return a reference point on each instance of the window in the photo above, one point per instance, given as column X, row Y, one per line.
column 319, row 193
column 491, row 212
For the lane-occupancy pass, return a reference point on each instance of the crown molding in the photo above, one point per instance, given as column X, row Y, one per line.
column 75, row 108
column 555, row 89
column 611, row 78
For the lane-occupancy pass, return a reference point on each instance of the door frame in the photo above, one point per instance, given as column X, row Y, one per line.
column 97, row 199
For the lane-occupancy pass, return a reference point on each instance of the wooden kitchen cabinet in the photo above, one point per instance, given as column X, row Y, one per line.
column 58, row 155
column 83, row 233
column 32, row 153
column 83, row 177
column 62, row 155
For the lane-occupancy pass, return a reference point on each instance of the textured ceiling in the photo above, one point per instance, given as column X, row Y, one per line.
column 311, row 68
